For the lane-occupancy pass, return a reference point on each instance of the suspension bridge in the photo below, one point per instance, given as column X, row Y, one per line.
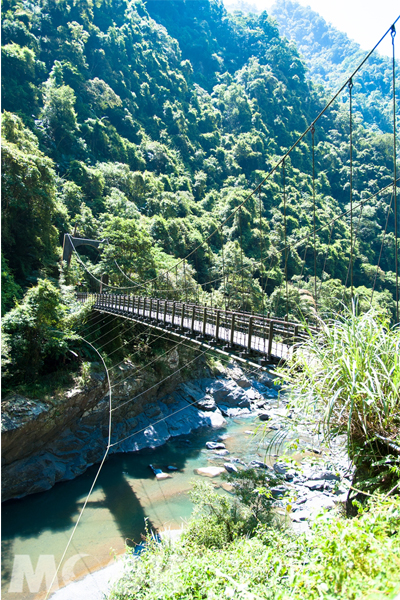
column 239, row 333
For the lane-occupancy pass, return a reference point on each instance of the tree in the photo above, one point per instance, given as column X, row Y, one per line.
column 36, row 333
column 29, row 237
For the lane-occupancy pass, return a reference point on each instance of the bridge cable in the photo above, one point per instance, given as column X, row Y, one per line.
column 223, row 264
column 89, row 324
column 297, row 242
column 355, row 237
column 318, row 229
column 351, row 183
column 109, row 445
column 262, row 265
column 136, row 285
column 189, row 404
column 313, row 194
column 305, row 255
column 299, row 139
column 285, row 238
column 118, row 335
column 151, row 388
column 145, row 332
column 96, row 476
column 165, row 336
column 326, row 257
column 281, row 250
column 306, row 237
column 381, row 250
column 241, row 255
column 393, row 34
column 184, row 277
column 281, row 160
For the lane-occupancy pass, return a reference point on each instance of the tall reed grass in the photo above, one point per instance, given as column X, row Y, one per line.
column 347, row 375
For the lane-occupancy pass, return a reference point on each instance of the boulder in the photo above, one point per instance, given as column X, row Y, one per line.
column 278, row 491
column 223, row 452
column 231, row 468
column 280, row 468
column 317, row 484
column 327, row 475
column 215, row 445
column 228, row 394
column 210, row 471
column 163, row 476
column 264, row 416
column 257, row 464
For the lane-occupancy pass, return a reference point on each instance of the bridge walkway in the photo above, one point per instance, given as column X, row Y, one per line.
column 247, row 335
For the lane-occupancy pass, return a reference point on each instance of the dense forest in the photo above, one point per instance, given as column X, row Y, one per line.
column 331, row 57
column 147, row 123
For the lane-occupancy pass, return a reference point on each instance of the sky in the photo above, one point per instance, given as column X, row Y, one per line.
column 364, row 21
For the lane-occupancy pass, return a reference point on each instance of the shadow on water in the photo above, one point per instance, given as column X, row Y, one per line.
column 56, row 510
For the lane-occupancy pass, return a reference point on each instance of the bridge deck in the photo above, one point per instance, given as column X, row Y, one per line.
column 241, row 333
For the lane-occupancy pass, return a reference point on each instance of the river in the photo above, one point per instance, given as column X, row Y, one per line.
column 37, row 528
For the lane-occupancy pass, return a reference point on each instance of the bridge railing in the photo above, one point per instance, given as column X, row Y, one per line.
column 252, row 333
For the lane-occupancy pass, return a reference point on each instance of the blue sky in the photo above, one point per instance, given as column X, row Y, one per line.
column 364, row 21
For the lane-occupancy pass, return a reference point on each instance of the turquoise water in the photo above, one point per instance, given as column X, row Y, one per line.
column 125, row 495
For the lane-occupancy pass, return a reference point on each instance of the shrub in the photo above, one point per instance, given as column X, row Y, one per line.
column 347, row 377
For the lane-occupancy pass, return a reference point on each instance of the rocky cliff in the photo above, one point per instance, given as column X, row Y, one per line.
column 56, row 440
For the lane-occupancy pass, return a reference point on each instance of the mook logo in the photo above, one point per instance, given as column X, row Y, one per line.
column 44, row 575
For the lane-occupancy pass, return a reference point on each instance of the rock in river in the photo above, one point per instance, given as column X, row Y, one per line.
column 257, row 464
column 210, row 471
column 215, row 445
column 231, row 468
column 264, row 416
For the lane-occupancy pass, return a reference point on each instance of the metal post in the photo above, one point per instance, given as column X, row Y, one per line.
column 204, row 321
column 270, row 336
column 173, row 313
column 193, row 318
column 217, row 325
column 249, row 334
column 151, row 308
column 182, row 316
column 232, row 329
column 157, row 309
column 165, row 311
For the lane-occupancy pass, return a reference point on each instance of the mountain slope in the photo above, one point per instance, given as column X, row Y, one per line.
column 152, row 122
column 331, row 57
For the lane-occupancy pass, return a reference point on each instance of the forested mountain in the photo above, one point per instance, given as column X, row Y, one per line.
column 148, row 123
column 331, row 57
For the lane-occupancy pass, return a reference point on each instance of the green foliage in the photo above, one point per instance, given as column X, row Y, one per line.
column 346, row 378
column 165, row 116
column 37, row 333
column 217, row 519
column 339, row 558
column 331, row 56
column 10, row 291
column 29, row 237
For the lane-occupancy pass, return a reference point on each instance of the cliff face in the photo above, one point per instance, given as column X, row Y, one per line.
column 47, row 442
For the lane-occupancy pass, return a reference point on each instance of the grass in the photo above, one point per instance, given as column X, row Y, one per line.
column 347, row 378
column 338, row 559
